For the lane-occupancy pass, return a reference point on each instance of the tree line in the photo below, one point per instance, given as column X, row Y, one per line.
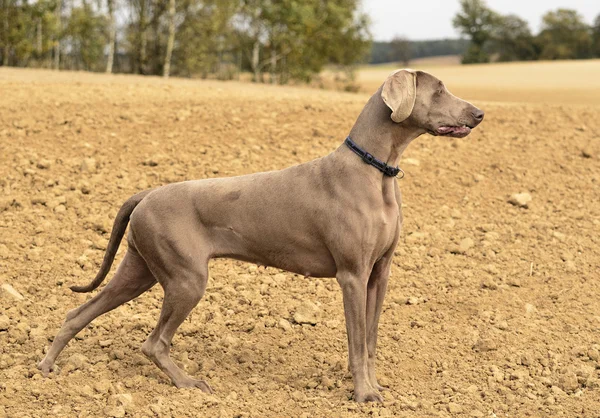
column 564, row 34
column 402, row 50
column 276, row 40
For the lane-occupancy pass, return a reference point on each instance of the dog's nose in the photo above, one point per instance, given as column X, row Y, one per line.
column 478, row 115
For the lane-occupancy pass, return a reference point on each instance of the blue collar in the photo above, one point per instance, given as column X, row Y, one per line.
column 388, row 170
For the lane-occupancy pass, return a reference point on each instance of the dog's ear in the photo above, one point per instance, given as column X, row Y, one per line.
column 400, row 93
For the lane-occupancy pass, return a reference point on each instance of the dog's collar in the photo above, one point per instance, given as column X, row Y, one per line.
column 388, row 170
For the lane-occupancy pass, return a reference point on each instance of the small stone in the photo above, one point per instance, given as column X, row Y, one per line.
column 88, row 165
column 526, row 360
column 530, row 309
column 4, row 252
column 114, row 411
column 520, row 199
column 244, row 357
column 485, row 344
column 43, row 164
column 476, row 413
column 312, row 383
column 332, row 323
column 570, row 266
column 150, row 162
column 411, row 161
column 586, row 153
column 100, row 244
column 284, row 324
column 105, row 343
column 454, row 408
column 327, row 382
column 60, row 209
column 123, row 399
column 513, row 281
column 4, row 322
column 566, row 256
column 102, row 386
column 298, row 396
column 568, row 382
column 78, row 361
column 465, row 245
column 412, row 300
column 307, row 313
column 592, row 353
column 519, row 375
column 489, row 284
column 7, row 290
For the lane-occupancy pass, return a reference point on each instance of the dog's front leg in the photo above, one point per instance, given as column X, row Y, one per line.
column 354, row 290
column 376, row 289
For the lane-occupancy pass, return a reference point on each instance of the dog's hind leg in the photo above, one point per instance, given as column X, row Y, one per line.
column 182, row 294
column 131, row 280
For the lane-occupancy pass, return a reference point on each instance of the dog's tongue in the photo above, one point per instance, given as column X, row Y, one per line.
column 455, row 130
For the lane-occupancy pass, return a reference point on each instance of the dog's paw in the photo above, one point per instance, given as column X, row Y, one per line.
column 368, row 395
column 47, row 368
column 194, row 383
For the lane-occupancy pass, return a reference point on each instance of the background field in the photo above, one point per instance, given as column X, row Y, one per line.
column 560, row 82
column 492, row 310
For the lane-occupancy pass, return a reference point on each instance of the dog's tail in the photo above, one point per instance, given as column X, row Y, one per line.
column 118, row 230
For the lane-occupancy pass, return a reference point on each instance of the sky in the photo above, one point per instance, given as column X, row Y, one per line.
column 432, row 19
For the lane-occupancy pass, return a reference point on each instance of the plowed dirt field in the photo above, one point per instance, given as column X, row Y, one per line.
column 492, row 309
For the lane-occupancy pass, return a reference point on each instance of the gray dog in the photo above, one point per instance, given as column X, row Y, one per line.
column 337, row 216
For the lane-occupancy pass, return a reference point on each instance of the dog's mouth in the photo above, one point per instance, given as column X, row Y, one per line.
column 454, row 131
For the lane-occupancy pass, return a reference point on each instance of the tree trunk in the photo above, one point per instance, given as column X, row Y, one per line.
column 171, row 40
column 111, row 36
column 143, row 38
column 6, row 49
column 273, row 64
column 38, row 46
column 57, row 40
column 255, row 61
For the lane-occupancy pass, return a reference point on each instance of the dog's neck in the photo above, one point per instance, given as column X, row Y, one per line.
column 376, row 133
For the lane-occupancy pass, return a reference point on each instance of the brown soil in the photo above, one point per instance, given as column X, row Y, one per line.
column 492, row 308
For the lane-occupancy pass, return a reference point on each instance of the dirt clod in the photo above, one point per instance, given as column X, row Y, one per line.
column 4, row 322
column 520, row 199
column 307, row 313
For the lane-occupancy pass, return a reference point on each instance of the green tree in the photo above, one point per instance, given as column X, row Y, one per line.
column 312, row 34
column 476, row 21
column 206, row 42
column 86, row 34
column 512, row 39
column 18, row 32
column 400, row 50
column 596, row 37
column 564, row 35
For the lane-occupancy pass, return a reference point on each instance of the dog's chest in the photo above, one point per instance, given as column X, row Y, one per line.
column 387, row 227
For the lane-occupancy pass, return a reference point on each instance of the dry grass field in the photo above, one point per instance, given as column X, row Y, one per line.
column 560, row 82
column 493, row 310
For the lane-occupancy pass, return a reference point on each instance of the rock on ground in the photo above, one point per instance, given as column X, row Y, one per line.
column 520, row 199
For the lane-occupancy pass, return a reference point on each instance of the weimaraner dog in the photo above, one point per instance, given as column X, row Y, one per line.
column 337, row 216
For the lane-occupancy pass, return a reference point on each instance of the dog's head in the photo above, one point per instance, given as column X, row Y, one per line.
column 418, row 99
